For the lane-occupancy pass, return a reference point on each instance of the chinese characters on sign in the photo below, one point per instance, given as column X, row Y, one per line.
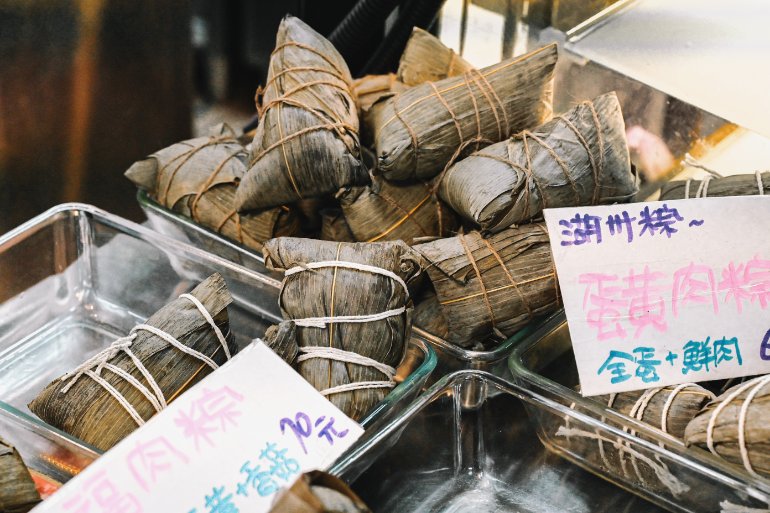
column 258, row 444
column 660, row 293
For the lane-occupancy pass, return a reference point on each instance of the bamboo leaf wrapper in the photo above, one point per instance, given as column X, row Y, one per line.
column 419, row 131
column 493, row 285
column 17, row 489
column 578, row 158
column 324, row 286
column 306, row 144
column 84, row 407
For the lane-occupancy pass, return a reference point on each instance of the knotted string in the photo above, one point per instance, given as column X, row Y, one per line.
column 154, row 394
column 334, row 354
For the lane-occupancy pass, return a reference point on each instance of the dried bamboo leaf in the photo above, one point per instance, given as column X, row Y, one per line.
column 89, row 412
column 282, row 339
column 387, row 211
column 18, row 493
column 334, row 291
column 492, row 285
column 427, row 59
column 334, row 227
column 735, row 185
column 750, row 401
column 306, row 144
column 318, row 492
column 578, row 158
column 370, row 88
column 429, row 316
column 420, row 130
column 198, row 178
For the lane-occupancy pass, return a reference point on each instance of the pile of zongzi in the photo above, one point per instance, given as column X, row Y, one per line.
column 18, row 493
column 118, row 389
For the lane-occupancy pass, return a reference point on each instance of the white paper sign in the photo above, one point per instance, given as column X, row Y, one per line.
column 226, row 445
column 663, row 293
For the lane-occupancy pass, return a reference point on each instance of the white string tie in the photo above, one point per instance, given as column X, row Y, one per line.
column 155, row 396
column 760, row 185
column 348, row 265
column 322, row 322
column 339, row 355
column 758, row 384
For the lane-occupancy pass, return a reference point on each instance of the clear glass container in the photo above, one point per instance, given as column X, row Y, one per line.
column 657, row 466
column 47, row 453
column 75, row 278
column 441, row 456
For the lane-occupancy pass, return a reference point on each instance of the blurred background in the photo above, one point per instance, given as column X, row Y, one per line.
column 89, row 86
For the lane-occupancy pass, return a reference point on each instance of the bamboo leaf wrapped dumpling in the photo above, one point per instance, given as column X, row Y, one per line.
column 734, row 426
column 18, row 493
column 351, row 308
column 733, row 185
column 427, row 59
column 198, row 178
column 307, row 143
column 417, row 132
column 578, row 158
column 492, row 285
column 121, row 387
column 388, row 211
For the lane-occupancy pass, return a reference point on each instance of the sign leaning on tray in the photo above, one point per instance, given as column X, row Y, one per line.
column 228, row 444
column 663, row 293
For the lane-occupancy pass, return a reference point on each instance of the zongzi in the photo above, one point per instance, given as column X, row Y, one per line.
column 18, row 493
column 417, row 132
column 282, row 339
column 492, row 286
column 120, row 387
column 318, row 492
column 350, row 304
column 734, row 426
column 427, row 59
column 370, row 88
column 306, row 144
column 198, row 178
column 578, row 158
column 734, row 185
column 387, row 211
column 667, row 409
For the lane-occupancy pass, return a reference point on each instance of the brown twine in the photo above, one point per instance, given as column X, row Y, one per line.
column 563, row 165
column 470, row 75
column 185, row 156
column 233, row 213
column 473, row 263
column 207, row 184
column 553, row 267
column 475, row 111
column 408, row 215
column 338, row 126
column 510, row 277
column 460, row 84
column 409, row 129
column 595, row 170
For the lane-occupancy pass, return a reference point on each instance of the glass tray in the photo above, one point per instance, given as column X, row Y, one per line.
column 75, row 278
column 45, row 452
column 658, row 466
column 440, row 456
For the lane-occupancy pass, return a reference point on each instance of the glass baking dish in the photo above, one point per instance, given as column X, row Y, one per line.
column 45, row 453
column 75, row 278
column 658, row 466
column 440, row 456
column 450, row 357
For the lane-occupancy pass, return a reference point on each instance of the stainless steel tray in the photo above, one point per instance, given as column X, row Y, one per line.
column 657, row 466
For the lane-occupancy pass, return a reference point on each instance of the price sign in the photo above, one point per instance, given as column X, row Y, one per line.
column 226, row 445
column 662, row 293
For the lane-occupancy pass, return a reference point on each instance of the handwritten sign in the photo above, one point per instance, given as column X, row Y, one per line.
column 662, row 293
column 225, row 446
